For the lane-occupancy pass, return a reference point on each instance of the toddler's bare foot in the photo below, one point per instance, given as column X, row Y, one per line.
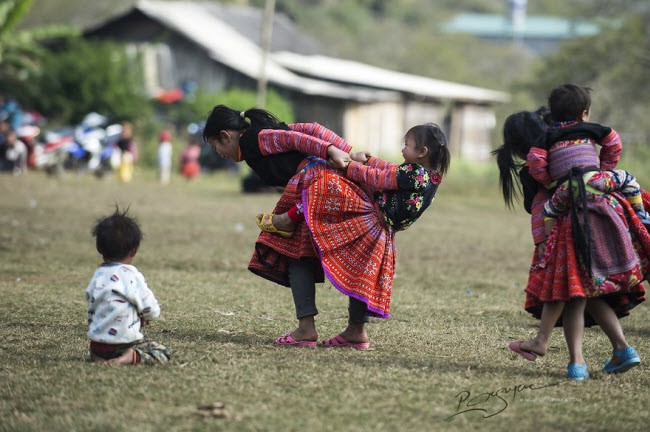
column 128, row 358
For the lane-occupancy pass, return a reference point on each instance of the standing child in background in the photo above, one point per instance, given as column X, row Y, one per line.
column 164, row 157
column 128, row 151
column 119, row 300
column 190, row 166
column 353, row 220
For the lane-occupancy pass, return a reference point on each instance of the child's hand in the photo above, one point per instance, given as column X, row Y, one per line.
column 337, row 157
column 144, row 322
column 360, row 156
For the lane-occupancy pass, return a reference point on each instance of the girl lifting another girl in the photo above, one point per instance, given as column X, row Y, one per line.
column 361, row 267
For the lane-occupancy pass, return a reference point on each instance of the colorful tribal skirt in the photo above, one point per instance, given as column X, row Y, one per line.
column 355, row 245
column 620, row 253
column 270, row 258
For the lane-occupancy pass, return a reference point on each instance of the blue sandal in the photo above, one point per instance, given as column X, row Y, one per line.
column 629, row 358
column 577, row 372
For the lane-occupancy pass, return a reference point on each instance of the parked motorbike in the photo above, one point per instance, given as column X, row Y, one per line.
column 93, row 149
column 51, row 150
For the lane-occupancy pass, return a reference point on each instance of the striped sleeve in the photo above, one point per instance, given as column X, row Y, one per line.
column 321, row 132
column 537, row 162
column 375, row 178
column 273, row 141
column 537, row 216
column 375, row 162
column 610, row 152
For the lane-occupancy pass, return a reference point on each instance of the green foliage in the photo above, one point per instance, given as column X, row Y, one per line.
column 89, row 76
column 616, row 65
column 20, row 51
column 197, row 106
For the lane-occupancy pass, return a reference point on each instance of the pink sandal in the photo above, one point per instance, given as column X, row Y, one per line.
column 338, row 342
column 516, row 347
column 288, row 340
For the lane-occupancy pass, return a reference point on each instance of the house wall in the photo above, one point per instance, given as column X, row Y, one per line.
column 470, row 132
column 375, row 127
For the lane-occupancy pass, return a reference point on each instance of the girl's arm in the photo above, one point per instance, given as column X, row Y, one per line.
column 375, row 162
column 378, row 178
column 321, row 132
column 273, row 141
column 537, row 216
column 610, row 152
column 537, row 162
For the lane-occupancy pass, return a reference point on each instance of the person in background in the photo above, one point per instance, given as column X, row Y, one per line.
column 164, row 157
column 190, row 166
column 129, row 152
column 15, row 154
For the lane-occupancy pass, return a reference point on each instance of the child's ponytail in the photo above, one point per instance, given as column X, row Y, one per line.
column 521, row 131
column 431, row 136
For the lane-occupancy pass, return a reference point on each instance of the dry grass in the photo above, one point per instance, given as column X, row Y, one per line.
column 457, row 303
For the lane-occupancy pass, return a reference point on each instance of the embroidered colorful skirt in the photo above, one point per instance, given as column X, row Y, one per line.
column 620, row 253
column 270, row 258
column 355, row 245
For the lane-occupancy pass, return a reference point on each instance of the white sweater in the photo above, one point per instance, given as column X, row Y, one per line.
column 117, row 297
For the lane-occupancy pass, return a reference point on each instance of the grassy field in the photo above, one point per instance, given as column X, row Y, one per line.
column 440, row 362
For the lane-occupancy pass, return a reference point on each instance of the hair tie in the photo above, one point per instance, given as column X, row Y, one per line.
column 242, row 114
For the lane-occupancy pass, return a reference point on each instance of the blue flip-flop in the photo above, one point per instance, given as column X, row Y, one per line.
column 629, row 358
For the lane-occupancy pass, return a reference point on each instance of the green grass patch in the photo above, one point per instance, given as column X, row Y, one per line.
column 457, row 302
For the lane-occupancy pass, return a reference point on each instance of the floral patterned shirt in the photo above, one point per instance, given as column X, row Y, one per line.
column 402, row 192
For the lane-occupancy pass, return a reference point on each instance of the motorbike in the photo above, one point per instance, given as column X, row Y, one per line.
column 50, row 151
column 93, row 148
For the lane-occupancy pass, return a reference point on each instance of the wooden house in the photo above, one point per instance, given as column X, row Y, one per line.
column 215, row 47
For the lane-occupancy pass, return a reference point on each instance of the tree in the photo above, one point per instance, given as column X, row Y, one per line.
column 616, row 65
column 90, row 76
column 21, row 51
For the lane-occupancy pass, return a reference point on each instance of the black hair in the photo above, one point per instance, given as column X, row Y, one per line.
column 567, row 102
column 431, row 136
column 224, row 118
column 521, row 131
column 117, row 235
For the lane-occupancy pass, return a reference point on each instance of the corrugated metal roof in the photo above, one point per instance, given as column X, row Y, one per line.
column 347, row 71
column 226, row 46
column 239, row 53
column 546, row 27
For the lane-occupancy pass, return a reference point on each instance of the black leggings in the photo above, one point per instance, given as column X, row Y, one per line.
column 303, row 289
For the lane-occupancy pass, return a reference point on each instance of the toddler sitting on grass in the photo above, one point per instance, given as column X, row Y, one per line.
column 119, row 300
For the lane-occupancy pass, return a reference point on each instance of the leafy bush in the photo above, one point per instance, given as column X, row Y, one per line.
column 198, row 105
column 89, row 76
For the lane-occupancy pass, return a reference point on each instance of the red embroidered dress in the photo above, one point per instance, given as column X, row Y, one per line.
column 620, row 243
column 353, row 222
column 281, row 157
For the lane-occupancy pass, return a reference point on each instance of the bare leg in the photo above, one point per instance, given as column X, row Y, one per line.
column 550, row 314
column 306, row 330
column 606, row 318
column 574, row 329
column 128, row 358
